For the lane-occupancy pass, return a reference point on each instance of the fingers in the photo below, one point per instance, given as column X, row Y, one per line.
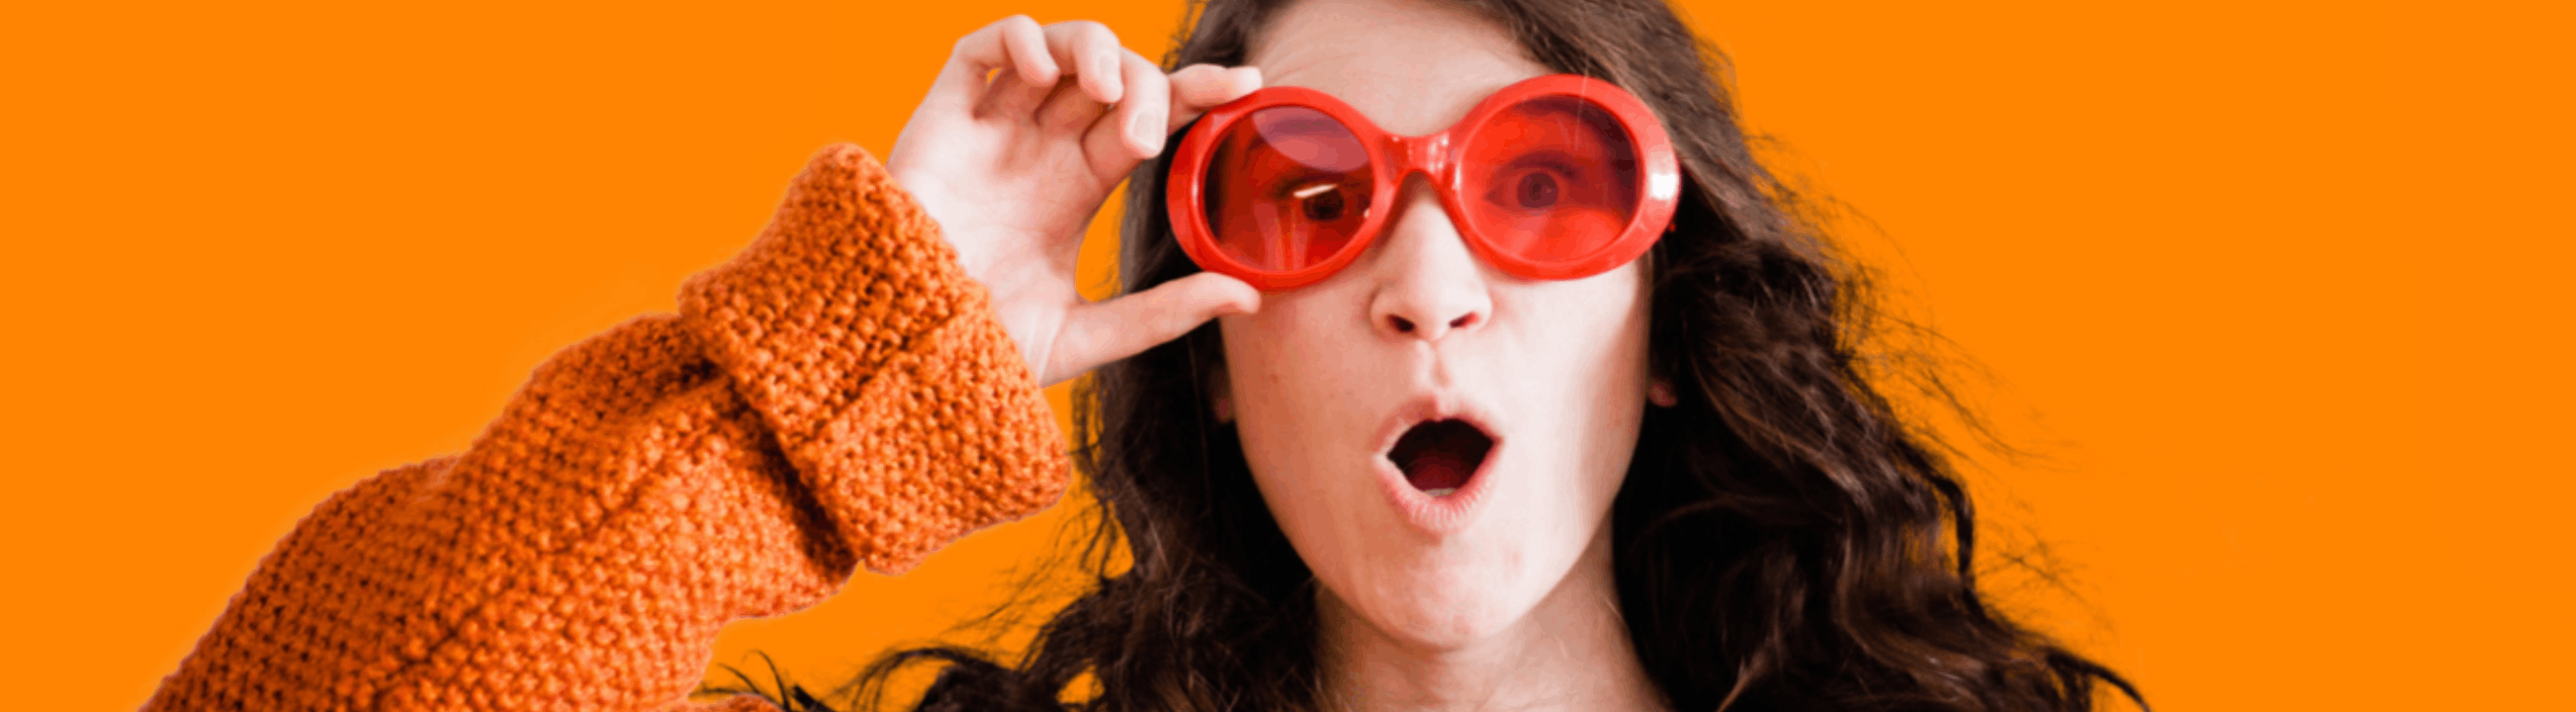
column 1015, row 45
column 1135, row 130
column 1094, row 52
column 1088, row 50
column 1200, row 87
column 1038, row 60
column 1142, row 120
column 1096, row 334
column 1158, row 105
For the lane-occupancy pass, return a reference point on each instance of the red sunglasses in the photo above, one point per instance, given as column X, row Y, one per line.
column 1557, row 177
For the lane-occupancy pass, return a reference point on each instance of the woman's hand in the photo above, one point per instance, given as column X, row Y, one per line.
column 1014, row 167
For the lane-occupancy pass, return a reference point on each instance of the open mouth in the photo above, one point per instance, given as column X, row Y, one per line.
column 1438, row 456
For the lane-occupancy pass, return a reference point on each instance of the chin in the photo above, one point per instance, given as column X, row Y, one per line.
column 1442, row 622
column 1446, row 605
column 1499, row 544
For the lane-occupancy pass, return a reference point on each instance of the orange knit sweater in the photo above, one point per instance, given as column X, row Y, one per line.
column 838, row 395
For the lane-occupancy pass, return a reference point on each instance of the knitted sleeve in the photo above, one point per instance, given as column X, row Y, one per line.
column 838, row 395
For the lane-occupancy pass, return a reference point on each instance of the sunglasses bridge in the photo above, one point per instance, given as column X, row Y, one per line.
column 1428, row 155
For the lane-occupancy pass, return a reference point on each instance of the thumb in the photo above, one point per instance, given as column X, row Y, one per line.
column 1096, row 334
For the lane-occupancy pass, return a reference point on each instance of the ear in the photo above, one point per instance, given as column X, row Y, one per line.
column 1660, row 392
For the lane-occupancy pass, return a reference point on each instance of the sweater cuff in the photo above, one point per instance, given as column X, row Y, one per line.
column 891, row 386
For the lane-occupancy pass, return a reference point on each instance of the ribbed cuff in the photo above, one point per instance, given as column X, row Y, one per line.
column 891, row 386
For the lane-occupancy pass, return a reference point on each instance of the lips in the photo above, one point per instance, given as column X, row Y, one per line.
column 1436, row 460
column 1439, row 456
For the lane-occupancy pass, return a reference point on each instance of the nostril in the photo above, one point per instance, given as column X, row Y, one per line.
column 1462, row 322
column 1402, row 325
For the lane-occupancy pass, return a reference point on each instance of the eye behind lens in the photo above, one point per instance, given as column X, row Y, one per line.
column 1324, row 206
column 1537, row 191
column 1549, row 181
column 1287, row 189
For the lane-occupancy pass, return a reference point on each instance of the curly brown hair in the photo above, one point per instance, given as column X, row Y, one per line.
column 1785, row 540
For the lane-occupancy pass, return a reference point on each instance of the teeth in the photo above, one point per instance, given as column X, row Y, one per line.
column 1440, row 491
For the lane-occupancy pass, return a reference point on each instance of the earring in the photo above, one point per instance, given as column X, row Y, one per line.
column 1660, row 393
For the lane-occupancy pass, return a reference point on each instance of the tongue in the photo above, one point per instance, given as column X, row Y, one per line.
column 1437, row 472
column 1438, row 457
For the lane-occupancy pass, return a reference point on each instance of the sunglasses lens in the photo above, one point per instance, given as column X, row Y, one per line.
column 1552, row 179
column 1286, row 188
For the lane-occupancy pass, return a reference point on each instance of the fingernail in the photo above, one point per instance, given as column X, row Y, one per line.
column 1147, row 127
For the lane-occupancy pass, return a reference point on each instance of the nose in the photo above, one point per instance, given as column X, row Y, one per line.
column 1428, row 284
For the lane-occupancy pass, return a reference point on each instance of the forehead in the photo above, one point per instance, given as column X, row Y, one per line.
column 1413, row 67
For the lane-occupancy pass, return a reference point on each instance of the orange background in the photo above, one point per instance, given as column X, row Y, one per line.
column 2273, row 292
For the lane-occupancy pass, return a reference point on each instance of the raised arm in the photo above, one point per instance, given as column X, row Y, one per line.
column 845, row 392
column 838, row 395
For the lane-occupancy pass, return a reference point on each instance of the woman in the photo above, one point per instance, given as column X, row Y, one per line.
column 1423, row 474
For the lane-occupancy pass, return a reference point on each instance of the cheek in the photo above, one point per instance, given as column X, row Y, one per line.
column 1272, row 370
column 1577, row 378
column 1295, row 405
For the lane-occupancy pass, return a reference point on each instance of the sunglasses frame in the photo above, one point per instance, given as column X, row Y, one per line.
column 1438, row 157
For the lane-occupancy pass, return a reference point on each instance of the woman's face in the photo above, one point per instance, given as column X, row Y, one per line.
column 1331, row 384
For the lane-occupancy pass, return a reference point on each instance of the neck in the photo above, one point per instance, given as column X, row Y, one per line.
column 1570, row 652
